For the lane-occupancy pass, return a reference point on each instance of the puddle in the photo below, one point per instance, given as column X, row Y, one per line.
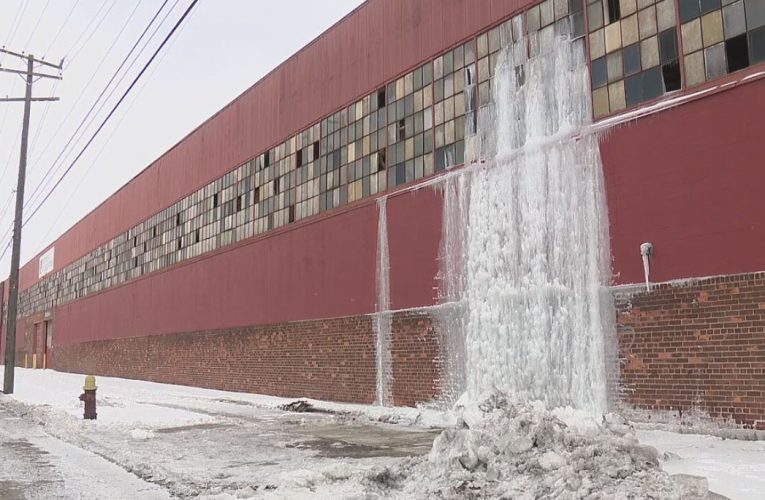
column 361, row 441
column 192, row 427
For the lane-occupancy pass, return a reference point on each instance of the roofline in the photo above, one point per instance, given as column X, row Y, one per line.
column 207, row 120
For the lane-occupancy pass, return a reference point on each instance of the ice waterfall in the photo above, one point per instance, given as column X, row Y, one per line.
column 525, row 251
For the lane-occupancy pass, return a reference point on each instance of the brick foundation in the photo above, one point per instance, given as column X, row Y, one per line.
column 325, row 359
column 684, row 346
column 696, row 346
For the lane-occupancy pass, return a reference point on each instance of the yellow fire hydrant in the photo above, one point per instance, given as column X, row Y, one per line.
column 89, row 397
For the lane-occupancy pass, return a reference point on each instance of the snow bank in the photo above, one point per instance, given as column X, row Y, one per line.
column 501, row 448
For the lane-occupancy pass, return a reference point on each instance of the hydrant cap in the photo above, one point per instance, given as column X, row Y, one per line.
column 90, row 383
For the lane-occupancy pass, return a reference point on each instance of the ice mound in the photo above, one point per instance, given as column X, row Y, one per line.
column 502, row 448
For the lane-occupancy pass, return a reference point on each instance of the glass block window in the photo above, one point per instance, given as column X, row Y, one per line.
column 635, row 57
column 455, row 80
column 332, row 160
column 541, row 21
column 720, row 37
column 366, row 146
column 410, row 126
column 306, row 160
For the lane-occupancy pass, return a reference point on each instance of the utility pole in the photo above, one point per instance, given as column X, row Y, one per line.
column 13, row 280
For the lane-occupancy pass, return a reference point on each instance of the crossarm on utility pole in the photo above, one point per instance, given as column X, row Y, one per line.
column 41, row 75
column 23, row 99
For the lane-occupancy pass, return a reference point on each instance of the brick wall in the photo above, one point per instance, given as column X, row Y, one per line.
column 323, row 359
column 684, row 346
column 415, row 352
column 696, row 346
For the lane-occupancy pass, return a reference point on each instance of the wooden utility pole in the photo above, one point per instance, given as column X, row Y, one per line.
column 13, row 280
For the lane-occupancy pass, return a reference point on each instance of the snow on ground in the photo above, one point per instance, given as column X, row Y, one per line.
column 34, row 465
column 734, row 468
column 222, row 445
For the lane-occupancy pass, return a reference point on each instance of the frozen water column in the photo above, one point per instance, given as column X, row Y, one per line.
column 535, row 254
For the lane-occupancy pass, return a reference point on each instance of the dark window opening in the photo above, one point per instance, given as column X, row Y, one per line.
column 381, row 161
column 277, row 185
column 135, row 241
column 401, row 130
column 266, row 158
column 381, row 97
column 291, row 215
column 469, row 77
column 180, row 244
column 614, row 11
column 178, row 219
column 737, row 50
column 145, row 247
column 238, row 203
column 520, row 75
column 215, row 200
column 135, row 262
column 316, row 150
column 154, row 232
column 196, row 236
column 299, row 157
column 671, row 74
column 256, row 194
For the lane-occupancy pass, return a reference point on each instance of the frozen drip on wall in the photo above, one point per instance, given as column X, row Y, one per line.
column 525, row 252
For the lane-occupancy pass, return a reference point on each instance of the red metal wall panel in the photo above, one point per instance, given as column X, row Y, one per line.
column 380, row 40
column 414, row 238
column 321, row 269
column 689, row 180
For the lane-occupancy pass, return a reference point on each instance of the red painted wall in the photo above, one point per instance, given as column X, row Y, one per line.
column 690, row 180
column 379, row 41
column 319, row 269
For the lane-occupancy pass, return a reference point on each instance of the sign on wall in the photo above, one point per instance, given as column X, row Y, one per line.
column 46, row 262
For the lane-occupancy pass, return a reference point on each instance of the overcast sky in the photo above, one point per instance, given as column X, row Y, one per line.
column 222, row 49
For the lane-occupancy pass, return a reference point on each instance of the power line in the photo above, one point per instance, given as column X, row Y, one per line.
column 61, row 28
column 16, row 23
column 100, row 22
column 92, row 77
column 113, row 110
column 7, row 205
column 37, row 25
column 53, row 167
column 87, row 27
column 60, row 211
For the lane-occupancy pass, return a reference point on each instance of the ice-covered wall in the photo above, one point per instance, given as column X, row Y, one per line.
column 526, row 252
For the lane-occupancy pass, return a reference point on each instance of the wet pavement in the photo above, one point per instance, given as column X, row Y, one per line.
column 34, row 465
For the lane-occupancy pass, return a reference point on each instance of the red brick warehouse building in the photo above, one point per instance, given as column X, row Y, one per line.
column 247, row 256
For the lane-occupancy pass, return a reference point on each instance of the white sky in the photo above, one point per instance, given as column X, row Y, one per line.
column 222, row 49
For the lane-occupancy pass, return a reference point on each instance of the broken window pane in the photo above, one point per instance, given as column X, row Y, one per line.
column 671, row 74
column 737, row 52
